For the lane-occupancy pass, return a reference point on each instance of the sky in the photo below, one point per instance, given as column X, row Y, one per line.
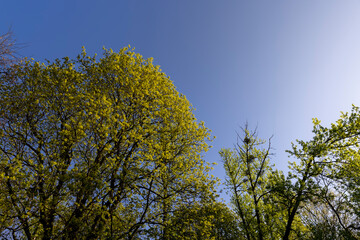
column 274, row 64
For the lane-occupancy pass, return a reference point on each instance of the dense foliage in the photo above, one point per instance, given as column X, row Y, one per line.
column 93, row 148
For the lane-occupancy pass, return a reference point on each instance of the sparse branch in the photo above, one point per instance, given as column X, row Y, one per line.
column 8, row 50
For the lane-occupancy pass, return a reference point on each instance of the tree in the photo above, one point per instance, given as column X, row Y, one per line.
column 92, row 148
column 248, row 170
column 7, row 50
column 331, row 157
column 261, row 196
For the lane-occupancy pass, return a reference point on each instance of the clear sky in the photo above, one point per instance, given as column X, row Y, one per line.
column 276, row 64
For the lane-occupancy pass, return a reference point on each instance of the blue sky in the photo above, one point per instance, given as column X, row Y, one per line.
column 275, row 64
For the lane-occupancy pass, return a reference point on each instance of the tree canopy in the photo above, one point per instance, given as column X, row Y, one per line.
column 97, row 147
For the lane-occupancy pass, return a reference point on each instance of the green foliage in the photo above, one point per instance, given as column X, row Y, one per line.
column 249, row 176
column 92, row 148
column 320, row 194
column 205, row 221
column 328, row 172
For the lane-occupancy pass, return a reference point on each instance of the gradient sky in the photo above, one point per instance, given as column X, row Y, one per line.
column 276, row 64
